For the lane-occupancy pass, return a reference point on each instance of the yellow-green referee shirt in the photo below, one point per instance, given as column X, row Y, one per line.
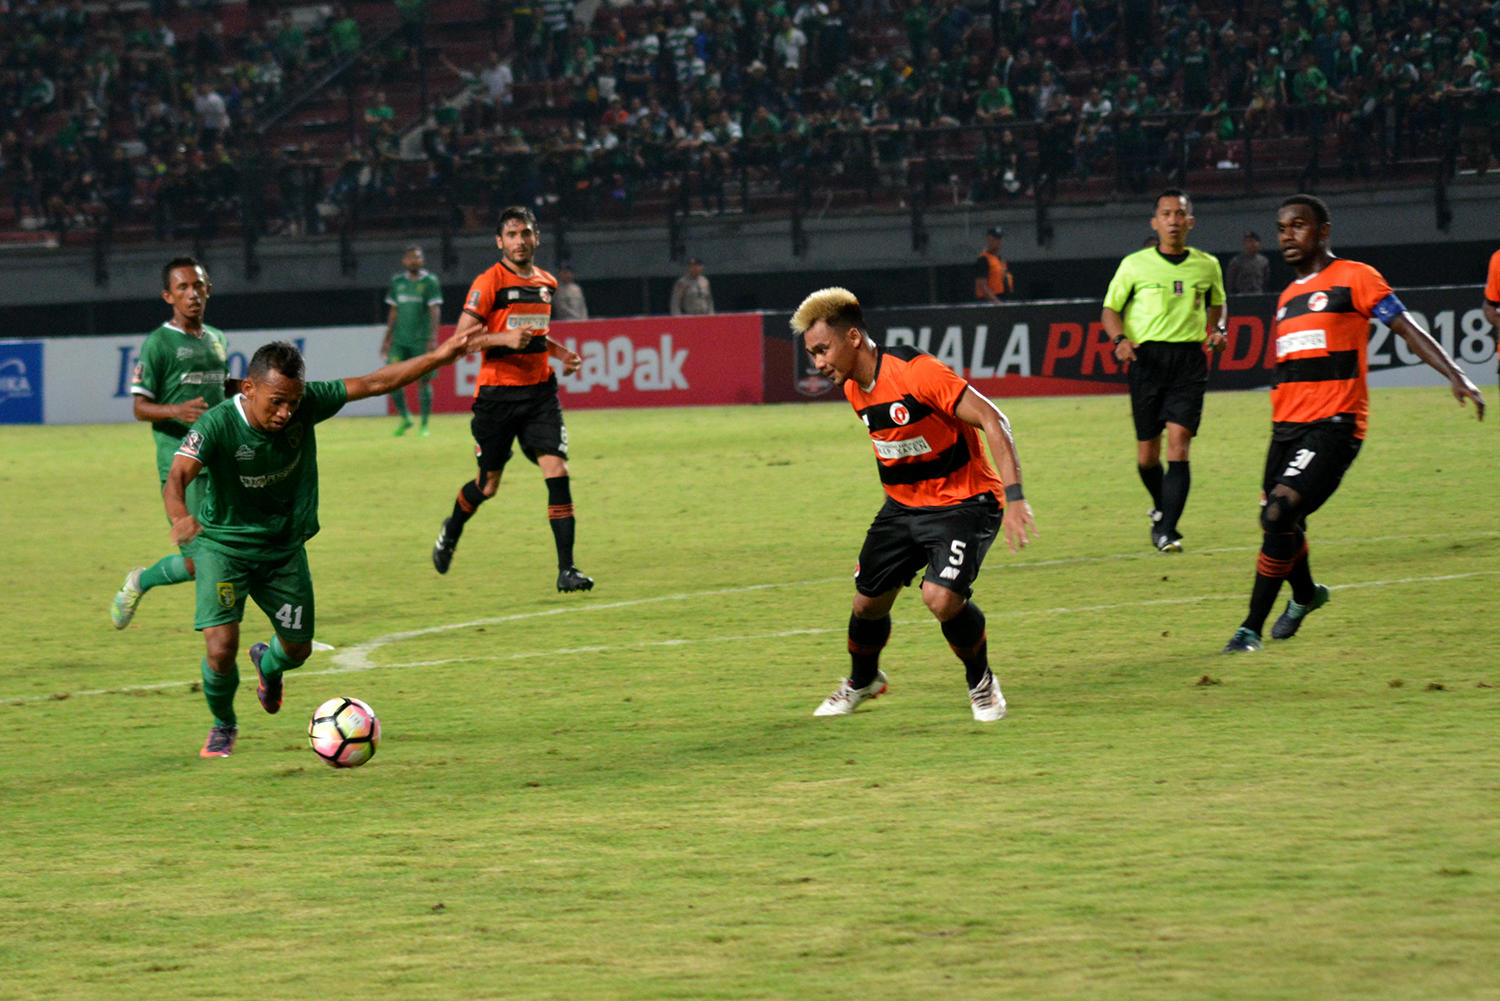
column 1163, row 301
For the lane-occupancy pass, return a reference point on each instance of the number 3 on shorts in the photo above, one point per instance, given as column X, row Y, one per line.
column 1300, row 462
column 289, row 617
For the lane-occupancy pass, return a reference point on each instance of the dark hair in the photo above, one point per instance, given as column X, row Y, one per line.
column 520, row 212
column 173, row 265
column 1318, row 206
column 1175, row 193
column 278, row 355
column 411, row 247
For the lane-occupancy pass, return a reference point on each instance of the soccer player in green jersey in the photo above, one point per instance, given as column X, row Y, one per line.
column 259, row 510
column 1164, row 303
column 411, row 328
column 183, row 371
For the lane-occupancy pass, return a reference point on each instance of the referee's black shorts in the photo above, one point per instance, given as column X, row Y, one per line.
column 536, row 424
column 1167, row 382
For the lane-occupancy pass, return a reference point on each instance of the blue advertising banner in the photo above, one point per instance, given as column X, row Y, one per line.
column 20, row 382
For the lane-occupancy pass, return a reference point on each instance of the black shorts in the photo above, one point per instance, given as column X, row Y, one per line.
column 1313, row 463
column 949, row 541
column 536, row 423
column 1167, row 382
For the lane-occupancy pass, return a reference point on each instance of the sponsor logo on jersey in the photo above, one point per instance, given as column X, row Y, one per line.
column 902, row 449
column 514, row 293
column 270, row 479
column 191, row 445
column 528, row 321
column 226, row 595
column 1281, row 314
column 199, row 378
column 184, row 353
column 1317, row 302
column 1302, row 340
column 899, row 414
column 244, row 453
column 139, row 372
column 473, row 302
column 949, row 573
column 1177, row 288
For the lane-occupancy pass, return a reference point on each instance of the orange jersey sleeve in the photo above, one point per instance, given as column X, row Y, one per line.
column 1492, row 288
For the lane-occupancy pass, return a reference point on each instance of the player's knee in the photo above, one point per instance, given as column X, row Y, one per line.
column 296, row 652
column 220, row 652
column 941, row 602
column 488, row 484
column 187, row 564
column 1278, row 515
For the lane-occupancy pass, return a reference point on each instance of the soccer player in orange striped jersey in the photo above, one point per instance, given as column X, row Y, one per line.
column 1320, row 404
column 943, row 503
column 506, row 315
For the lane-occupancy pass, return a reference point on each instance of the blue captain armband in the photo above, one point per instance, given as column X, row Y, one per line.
column 1388, row 309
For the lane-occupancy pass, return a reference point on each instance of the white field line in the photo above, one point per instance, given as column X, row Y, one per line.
column 356, row 658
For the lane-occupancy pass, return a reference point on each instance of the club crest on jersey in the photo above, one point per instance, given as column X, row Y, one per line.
column 546, row 294
column 1317, row 302
column 899, row 414
column 226, row 595
column 244, row 453
column 219, row 350
column 1177, row 288
column 294, row 435
column 191, row 445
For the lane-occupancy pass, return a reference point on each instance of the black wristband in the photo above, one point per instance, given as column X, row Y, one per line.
column 1013, row 493
column 1119, row 338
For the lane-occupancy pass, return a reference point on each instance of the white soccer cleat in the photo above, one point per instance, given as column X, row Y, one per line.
column 986, row 701
column 122, row 609
column 845, row 698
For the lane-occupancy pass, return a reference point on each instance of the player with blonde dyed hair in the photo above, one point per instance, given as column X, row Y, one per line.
column 943, row 503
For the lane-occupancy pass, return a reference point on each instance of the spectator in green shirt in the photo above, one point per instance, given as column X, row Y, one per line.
column 994, row 103
column 343, row 35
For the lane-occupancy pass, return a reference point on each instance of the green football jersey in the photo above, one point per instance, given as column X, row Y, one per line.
column 1163, row 301
column 262, row 498
column 412, row 297
column 176, row 367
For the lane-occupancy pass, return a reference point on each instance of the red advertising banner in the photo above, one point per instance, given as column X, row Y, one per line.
column 654, row 361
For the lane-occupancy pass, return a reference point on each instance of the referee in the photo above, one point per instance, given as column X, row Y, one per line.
column 1163, row 304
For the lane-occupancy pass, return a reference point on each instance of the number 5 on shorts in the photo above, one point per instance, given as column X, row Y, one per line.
column 957, row 559
column 289, row 617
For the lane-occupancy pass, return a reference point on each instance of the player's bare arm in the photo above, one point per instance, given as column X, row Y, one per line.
column 1216, row 336
column 981, row 413
column 1430, row 351
column 471, row 325
column 982, row 291
column 403, row 373
column 570, row 359
column 1492, row 314
column 435, row 320
column 187, row 413
column 174, row 495
column 1114, row 326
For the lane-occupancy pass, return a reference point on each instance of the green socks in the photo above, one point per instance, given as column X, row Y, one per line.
column 275, row 660
column 168, row 570
column 424, row 395
column 218, row 691
column 399, row 399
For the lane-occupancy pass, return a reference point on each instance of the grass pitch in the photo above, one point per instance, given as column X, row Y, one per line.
column 625, row 795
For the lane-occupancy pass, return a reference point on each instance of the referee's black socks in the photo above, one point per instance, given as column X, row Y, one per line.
column 965, row 634
column 1151, row 476
column 1174, row 494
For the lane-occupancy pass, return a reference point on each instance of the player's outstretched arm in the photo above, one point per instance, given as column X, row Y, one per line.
column 479, row 338
column 1433, row 354
column 187, row 413
column 174, row 495
column 981, row 413
column 393, row 377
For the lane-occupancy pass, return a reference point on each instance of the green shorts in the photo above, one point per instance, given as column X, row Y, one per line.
column 406, row 352
column 282, row 588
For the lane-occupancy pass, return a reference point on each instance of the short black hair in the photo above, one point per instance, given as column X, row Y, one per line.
column 1318, row 206
column 411, row 247
column 515, row 212
column 175, row 263
column 278, row 355
column 1174, row 193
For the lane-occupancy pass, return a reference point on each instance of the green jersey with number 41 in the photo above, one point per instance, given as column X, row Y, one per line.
column 262, row 500
column 412, row 297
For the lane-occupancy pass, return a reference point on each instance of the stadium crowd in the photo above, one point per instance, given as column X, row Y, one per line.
column 112, row 112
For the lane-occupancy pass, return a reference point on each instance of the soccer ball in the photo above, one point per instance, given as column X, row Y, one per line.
column 344, row 732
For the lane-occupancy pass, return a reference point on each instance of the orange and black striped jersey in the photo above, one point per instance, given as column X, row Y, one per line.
column 1322, row 328
column 504, row 300
column 996, row 273
column 927, row 456
column 1492, row 287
